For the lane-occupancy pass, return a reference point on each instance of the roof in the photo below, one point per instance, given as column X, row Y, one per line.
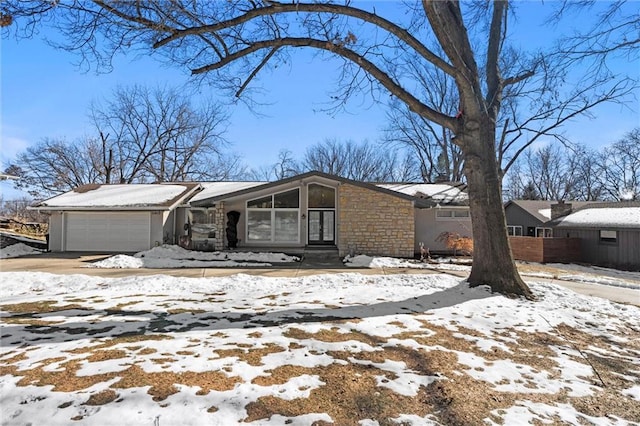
column 541, row 209
column 249, row 190
column 166, row 196
column 121, row 196
column 216, row 189
column 622, row 215
column 441, row 193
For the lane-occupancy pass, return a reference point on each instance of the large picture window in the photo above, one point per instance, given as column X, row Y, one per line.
column 274, row 218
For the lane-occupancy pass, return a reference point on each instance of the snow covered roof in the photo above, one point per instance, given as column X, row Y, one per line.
column 623, row 216
column 439, row 192
column 215, row 189
column 541, row 209
column 134, row 196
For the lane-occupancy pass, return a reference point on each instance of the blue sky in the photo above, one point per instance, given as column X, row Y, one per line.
column 44, row 94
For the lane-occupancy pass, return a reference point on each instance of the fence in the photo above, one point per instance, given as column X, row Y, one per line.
column 546, row 250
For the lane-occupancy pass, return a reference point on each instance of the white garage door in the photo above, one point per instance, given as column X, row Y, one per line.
column 108, row 232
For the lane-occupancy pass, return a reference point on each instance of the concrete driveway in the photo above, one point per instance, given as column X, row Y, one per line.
column 78, row 263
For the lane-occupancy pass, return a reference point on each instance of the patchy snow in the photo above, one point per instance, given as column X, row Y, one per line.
column 171, row 256
column 17, row 250
column 618, row 217
column 215, row 189
column 175, row 350
column 118, row 196
column 443, row 264
column 438, row 192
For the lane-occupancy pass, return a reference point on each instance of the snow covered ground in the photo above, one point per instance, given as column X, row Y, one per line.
column 347, row 348
column 17, row 250
column 171, row 256
column 559, row 271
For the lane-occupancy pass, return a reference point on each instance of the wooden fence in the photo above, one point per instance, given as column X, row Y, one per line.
column 546, row 250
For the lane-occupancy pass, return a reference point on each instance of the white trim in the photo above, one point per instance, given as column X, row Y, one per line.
column 513, row 232
column 546, row 232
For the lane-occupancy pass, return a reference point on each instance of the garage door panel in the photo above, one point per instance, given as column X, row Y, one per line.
column 107, row 231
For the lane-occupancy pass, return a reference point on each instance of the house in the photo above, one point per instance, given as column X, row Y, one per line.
column 609, row 233
column 528, row 218
column 310, row 209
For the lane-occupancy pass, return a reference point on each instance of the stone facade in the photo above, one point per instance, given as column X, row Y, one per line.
column 374, row 223
column 221, row 225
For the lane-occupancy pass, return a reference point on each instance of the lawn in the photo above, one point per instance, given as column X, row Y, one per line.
column 343, row 349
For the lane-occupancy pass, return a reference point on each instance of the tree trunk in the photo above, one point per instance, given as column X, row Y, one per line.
column 493, row 263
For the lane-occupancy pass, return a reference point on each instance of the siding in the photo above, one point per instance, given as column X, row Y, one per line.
column 516, row 216
column 55, row 231
column 428, row 229
column 623, row 254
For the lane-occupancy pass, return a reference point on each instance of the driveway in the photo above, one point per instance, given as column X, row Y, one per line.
column 78, row 263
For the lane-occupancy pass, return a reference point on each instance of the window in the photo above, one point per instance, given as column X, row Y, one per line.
column 274, row 218
column 544, row 232
column 203, row 224
column 259, row 225
column 452, row 214
column 261, row 203
column 321, row 197
column 514, row 230
column 608, row 236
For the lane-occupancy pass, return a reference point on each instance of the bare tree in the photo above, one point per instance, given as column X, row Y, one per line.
column 620, row 169
column 159, row 136
column 54, row 166
column 285, row 167
column 144, row 136
column 439, row 158
column 362, row 161
column 231, row 42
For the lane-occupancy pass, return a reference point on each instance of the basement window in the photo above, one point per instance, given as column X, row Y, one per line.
column 608, row 236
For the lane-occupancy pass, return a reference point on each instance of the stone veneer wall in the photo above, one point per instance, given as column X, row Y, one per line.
column 221, row 225
column 373, row 223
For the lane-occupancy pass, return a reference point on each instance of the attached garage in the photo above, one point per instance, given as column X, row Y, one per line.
column 115, row 218
column 107, row 231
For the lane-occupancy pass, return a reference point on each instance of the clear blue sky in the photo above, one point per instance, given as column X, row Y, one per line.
column 45, row 95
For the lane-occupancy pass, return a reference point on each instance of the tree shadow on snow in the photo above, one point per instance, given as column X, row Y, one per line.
column 113, row 323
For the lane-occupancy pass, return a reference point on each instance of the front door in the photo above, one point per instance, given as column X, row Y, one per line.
column 321, row 226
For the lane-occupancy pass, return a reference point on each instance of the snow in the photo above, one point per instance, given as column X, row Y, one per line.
column 546, row 213
column 214, row 189
column 618, row 217
column 17, row 250
column 118, row 196
column 201, row 326
column 199, row 319
column 438, row 192
column 171, row 256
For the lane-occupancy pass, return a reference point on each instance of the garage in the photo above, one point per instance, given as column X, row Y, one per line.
column 107, row 231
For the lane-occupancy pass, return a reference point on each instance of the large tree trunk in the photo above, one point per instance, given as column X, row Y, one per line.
column 493, row 263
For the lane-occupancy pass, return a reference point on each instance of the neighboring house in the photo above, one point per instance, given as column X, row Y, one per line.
column 528, row 218
column 609, row 233
column 311, row 209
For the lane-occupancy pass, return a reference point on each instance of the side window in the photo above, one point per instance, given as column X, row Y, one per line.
column 608, row 236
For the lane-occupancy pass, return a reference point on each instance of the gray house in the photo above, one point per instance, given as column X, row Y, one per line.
column 311, row 209
column 528, row 218
column 609, row 233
